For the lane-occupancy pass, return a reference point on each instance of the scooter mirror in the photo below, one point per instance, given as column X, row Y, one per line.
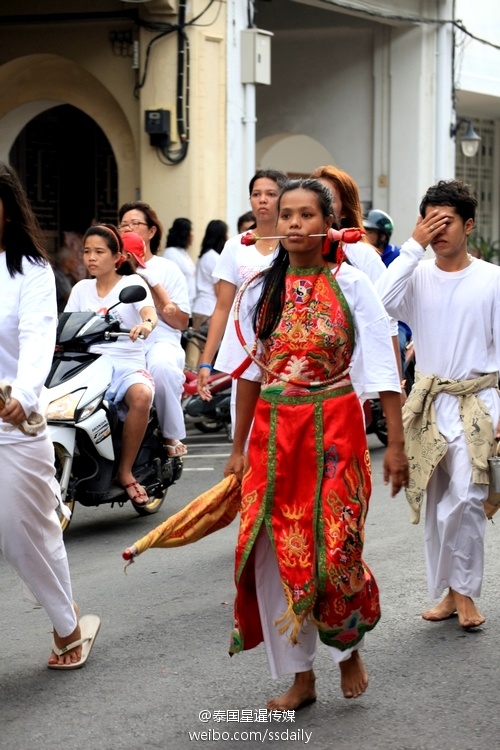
column 133, row 293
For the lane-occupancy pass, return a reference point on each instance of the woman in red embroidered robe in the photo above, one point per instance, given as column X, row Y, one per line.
column 299, row 569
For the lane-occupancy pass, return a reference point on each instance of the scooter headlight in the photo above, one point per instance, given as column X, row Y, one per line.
column 86, row 411
column 63, row 409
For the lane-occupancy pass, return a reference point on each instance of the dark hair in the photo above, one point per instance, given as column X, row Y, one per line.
column 267, row 312
column 109, row 234
column 453, row 193
column 244, row 218
column 275, row 175
column 151, row 219
column 215, row 237
column 179, row 233
column 22, row 235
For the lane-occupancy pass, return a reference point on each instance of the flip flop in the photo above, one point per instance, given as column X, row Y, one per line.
column 177, row 449
column 138, row 492
column 89, row 627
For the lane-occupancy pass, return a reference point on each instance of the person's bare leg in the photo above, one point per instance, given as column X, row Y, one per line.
column 73, row 656
column 353, row 676
column 300, row 694
column 138, row 400
column 442, row 611
column 468, row 614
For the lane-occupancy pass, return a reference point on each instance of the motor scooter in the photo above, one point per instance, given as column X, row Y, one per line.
column 84, row 427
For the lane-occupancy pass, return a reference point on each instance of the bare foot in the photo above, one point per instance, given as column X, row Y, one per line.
column 442, row 611
column 73, row 656
column 468, row 614
column 353, row 676
column 301, row 694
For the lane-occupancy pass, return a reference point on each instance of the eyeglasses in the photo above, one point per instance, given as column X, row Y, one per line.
column 131, row 224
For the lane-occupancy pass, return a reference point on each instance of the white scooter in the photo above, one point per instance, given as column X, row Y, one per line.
column 85, row 428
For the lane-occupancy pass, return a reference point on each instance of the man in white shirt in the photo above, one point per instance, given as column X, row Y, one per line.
column 451, row 303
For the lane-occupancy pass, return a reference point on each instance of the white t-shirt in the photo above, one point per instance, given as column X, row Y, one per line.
column 373, row 365
column 28, row 323
column 183, row 260
column 454, row 318
column 124, row 353
column 169, row 275
column 237, row 263
column 206, row 298
column 362, row 255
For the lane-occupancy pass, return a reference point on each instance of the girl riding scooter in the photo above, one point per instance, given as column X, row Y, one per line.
column 132, row 387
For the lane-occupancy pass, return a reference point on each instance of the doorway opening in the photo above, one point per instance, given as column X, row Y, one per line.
column 69, row 171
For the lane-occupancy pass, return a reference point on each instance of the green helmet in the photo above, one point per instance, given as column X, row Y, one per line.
column 379, row 221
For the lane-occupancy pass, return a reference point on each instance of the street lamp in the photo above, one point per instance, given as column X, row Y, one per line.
column 469, row 141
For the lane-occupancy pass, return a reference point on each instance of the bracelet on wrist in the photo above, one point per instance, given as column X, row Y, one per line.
column 205, row 364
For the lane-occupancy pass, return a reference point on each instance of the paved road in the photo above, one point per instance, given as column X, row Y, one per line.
column 161, row 655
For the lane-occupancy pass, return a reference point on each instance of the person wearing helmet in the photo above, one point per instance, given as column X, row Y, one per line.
column 379, row 228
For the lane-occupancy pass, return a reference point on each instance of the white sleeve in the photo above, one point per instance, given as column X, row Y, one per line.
column 74, row 303
column 392, row 285
column 211, row 263
column 366, row 258
column 374, row 367
column 176, row 287
column 226, row 266
column 37, row 324
column 148, row 299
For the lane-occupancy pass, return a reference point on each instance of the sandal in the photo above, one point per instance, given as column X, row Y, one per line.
column 89, row 627
column 176, row 450
column 136, row 493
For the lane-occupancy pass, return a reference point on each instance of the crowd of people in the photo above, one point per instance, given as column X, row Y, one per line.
column 307, row 323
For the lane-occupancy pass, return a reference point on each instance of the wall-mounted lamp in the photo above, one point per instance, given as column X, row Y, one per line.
column 469, row 141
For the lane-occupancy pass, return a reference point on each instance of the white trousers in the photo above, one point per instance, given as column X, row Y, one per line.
column 455, row 524
column 30, row 532
column 165, row 361
column 283, row 657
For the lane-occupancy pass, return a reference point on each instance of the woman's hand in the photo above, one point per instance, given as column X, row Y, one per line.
column 143, row 329
column 236, row 464
column 13, row 413
column 203, row 389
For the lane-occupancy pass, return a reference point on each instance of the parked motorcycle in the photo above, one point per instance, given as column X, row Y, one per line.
column 85, row 429
column 207, row 416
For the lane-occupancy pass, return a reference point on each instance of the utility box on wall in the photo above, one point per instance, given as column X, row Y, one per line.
column 256, row 56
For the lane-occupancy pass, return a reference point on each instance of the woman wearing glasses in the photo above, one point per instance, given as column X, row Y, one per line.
column 164, row 354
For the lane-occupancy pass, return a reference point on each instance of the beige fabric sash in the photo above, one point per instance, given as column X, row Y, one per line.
column 424, row 444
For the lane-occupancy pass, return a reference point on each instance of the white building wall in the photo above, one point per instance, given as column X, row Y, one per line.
column 478, row 64
column 322, row 87
column 241, row 119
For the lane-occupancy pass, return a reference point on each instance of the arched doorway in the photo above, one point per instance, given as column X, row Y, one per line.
column 69, row 171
